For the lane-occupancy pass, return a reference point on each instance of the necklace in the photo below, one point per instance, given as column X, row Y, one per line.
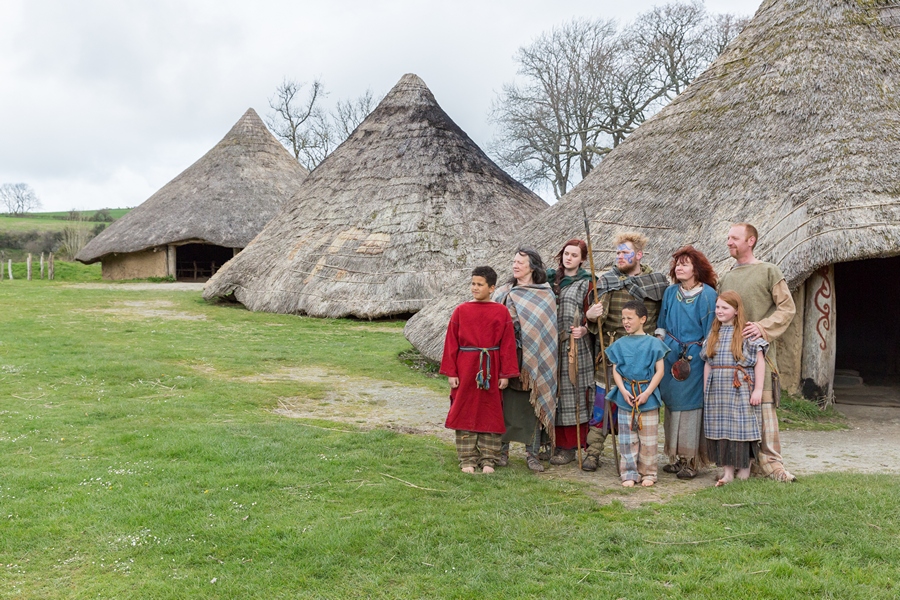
column 693, row 287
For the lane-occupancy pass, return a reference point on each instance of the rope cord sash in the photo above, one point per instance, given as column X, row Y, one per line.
column 736, row 381
column 637, row 421
column 684, row 345
column 483, row 378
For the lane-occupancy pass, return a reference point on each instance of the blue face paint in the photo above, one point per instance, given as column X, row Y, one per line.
column 623, row 251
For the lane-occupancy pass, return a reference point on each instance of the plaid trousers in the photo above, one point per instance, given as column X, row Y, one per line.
column 638, row 449
column 476, row 449
column 769, row 460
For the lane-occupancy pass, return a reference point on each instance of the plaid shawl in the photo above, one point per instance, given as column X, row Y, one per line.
column 646, row 286
column 533, row 311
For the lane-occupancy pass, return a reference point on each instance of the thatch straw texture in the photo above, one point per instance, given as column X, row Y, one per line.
column 406, row 205
column 225, row 198
column 795, row 128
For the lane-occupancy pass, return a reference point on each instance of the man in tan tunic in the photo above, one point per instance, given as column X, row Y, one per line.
column 770, row 309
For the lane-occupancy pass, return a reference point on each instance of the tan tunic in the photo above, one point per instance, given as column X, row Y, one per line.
column 767, row 302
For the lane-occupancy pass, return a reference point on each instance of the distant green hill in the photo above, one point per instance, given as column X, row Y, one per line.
column 42, row 232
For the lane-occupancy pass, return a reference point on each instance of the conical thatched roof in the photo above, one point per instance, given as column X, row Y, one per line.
column 225, row 198
column 795, row 128
column 405, row 205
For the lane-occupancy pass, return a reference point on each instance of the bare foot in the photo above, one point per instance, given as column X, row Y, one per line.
column 722, row 482
column 468, row 470
column 743, row 474
column 487, row 469
column 628, row 483
column 647, row 482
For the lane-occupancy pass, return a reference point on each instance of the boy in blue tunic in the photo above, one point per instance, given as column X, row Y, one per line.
column 637, row 361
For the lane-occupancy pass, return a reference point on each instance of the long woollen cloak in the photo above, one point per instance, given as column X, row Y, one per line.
column 479, row 325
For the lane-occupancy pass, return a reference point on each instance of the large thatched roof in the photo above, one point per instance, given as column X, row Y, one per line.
column 225, row 198
column 405, row 205
column 795, row 128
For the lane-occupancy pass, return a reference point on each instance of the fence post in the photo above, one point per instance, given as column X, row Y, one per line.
column 42, row 265
column 50, row 267
column 28, row 266
column 10, row 269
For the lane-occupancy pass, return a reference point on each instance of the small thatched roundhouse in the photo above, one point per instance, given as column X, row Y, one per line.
column 203, row 217
column 405, row 206
column 796, row 129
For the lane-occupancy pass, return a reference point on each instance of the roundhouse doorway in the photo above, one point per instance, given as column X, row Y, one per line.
column 867, row 360
column 199, row 262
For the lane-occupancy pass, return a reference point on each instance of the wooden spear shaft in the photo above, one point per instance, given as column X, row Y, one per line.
column 606, row 407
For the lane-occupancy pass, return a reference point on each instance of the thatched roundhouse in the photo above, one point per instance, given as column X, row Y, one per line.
column 796, row 129
column 203, row 217
column 406, row 205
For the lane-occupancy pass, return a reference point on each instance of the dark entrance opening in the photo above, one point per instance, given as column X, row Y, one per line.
column 199, row 262
column 868, row 329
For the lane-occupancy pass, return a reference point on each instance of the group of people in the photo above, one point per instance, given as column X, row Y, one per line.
column 559, row 360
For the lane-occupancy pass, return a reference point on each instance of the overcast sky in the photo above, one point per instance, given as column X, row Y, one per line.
column 103, row 102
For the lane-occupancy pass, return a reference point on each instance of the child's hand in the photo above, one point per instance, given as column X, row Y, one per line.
column 503, row 383
column 628, row 397
column 644, row 396
column 454, row 382
column 756, row 397
column 578, row 332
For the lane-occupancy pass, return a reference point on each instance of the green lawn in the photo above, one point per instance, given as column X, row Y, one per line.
column 142, row 459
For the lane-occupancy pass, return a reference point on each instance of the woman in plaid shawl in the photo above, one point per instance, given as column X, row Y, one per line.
column 529, row 403
column 572, row 285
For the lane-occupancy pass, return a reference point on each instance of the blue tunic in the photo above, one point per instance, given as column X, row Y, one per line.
column 635, row 358
column 688, row 320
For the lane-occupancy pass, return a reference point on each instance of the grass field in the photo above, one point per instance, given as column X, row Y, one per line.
column 49, row 221
column 142, row 459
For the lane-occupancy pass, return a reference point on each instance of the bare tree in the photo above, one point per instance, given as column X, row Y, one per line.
column 675, row 37
column 297, row 121
column 18, row 198
column 75, row 234
column 725, row 28
column 348, row 114
column 552, row 123
column 584, row 87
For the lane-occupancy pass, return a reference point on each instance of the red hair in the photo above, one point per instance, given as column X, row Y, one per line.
column 560, row 269
column 703, row 270
column 737, row 339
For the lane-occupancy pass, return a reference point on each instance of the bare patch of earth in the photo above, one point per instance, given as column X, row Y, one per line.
column 177, row 286
column 871, row 445
column 364, row 402
column 144, row 309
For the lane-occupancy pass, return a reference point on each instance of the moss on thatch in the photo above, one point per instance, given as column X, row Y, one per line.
column 795, row 128
column 405, row 206
column 225, row 198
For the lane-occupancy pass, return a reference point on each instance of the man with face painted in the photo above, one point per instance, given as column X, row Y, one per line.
column 627, row 280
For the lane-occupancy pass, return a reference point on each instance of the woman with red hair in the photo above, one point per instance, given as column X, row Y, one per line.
column 572, row 286
column 685, row 317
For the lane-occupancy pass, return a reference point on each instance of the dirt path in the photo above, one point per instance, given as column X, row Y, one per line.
column 871, row 445
column 178, row 286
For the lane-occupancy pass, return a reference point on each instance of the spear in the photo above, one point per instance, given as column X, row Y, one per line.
column 607, row 416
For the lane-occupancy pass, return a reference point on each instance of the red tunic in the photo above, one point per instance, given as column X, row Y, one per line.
column 479, row 325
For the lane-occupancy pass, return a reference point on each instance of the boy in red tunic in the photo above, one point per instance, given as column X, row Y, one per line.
column 479, row 359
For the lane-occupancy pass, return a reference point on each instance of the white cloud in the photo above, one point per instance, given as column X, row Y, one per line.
column 105, row 101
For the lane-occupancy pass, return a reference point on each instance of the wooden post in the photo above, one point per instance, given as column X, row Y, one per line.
column 819, row 339
column 42, row 265
column 171, row 261
column 28, row 267
column 10, row 269
column 50, row 267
